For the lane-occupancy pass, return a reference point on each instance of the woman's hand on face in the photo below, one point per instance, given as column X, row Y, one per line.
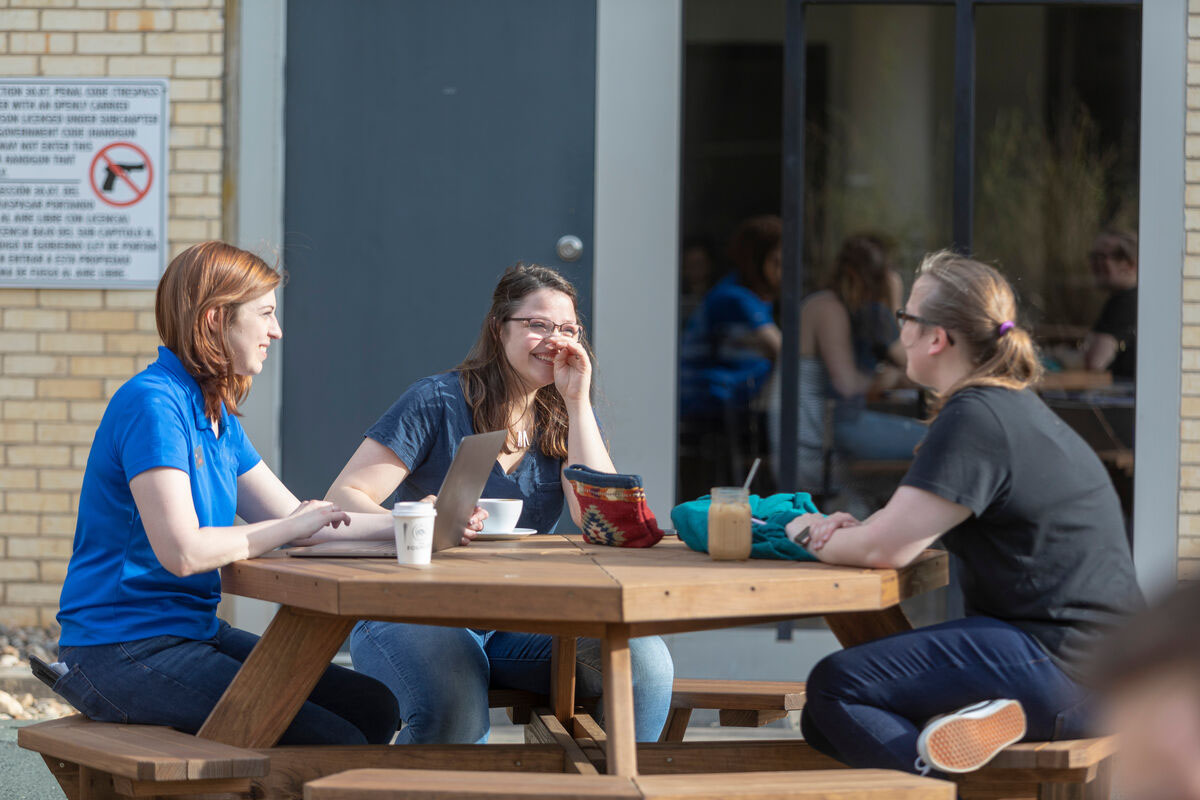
column 317, row 521
column 572, row 368
column 474, row 524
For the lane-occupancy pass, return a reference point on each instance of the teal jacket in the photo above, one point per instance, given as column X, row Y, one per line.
column 769, row 538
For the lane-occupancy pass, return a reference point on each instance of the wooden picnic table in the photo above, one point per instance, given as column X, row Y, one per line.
column 551, row 584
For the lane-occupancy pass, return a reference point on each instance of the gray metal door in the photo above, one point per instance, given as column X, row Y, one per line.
column 430, row 144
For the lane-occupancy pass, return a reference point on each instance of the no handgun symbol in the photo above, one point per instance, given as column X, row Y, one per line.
column 121, row 174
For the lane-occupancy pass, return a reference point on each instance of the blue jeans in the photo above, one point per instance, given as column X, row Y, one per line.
column 866, row 705
column 441, row 676
column 170, row 680
column 875, row 436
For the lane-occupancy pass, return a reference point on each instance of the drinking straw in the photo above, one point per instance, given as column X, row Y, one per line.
column 750, row 477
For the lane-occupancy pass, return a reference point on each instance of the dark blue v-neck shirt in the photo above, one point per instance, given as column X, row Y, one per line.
column 424, row 428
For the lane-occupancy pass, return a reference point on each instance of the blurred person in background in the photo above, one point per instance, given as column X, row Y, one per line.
column 1112, row 343
column 1150, row 672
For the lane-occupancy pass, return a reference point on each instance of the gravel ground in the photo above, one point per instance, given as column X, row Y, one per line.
column 22, row 697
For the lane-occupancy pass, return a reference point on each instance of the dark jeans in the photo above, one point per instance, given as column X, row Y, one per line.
column 866, row 705
column 169, row 680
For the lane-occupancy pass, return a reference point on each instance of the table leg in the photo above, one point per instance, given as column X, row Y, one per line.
column 618, row 702
column 858, row 627
column 562, row 679
column 276, row 679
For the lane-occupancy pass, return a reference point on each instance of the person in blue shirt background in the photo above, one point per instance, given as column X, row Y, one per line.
column 169, row 468
column 731, row 342
column 530, row 373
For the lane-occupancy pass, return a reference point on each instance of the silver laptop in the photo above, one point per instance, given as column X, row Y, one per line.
column 456, row 500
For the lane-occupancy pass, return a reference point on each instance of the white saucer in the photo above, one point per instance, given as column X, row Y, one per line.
column 500, row 536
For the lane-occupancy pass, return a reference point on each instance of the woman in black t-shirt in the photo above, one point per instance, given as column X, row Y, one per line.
column 1032, row 515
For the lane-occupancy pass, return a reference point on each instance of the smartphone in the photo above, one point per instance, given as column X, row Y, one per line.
column 47, row 673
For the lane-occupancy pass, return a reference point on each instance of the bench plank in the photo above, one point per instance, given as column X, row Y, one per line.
column 427, row 785
column 365, row 784
column 858, row 784
column 738, row 695
column 139, row 752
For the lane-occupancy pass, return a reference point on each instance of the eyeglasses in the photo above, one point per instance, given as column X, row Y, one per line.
column 543, row 327
column 903, row 316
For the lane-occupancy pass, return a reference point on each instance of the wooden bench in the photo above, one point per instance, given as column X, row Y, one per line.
column 871, row 784
column 99, row 759
column 742, row 704
column 1074, row 769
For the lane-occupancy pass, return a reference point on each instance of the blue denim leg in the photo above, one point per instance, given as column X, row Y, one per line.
column 874, row 436
column 439, row 677
column 169, row 680
column 522, row 661
column 866, row 705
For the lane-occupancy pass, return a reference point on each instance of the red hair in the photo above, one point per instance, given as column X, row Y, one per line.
column 209, row 277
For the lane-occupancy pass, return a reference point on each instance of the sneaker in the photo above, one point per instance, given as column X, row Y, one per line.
column 967, row 739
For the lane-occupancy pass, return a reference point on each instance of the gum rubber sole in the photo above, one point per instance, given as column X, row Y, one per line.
column 963, row 742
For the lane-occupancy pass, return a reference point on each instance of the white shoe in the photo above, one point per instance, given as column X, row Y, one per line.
column 970, row 737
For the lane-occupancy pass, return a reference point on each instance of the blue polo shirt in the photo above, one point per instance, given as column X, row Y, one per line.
column 116, row 590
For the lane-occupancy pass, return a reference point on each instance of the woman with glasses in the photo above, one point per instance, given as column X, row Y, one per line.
column 849, row 347
column 1032, row 517
column 530, row 373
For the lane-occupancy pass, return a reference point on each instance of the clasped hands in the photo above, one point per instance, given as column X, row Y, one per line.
column 812, row 531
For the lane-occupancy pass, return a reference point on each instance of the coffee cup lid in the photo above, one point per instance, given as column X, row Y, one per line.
column 413, row 509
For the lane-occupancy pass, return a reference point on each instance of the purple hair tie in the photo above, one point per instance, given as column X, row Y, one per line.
column 1005, row 327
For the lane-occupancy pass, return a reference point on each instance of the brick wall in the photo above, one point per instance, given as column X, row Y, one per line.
column 64, row 352
column 1189, row 455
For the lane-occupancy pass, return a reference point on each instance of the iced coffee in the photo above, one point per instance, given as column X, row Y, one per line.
column 729, row 524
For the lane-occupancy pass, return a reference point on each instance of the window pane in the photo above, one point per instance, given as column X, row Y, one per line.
column 1056, row 190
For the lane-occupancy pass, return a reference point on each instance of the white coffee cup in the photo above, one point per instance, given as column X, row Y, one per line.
column 502, row 514
column 413, row 526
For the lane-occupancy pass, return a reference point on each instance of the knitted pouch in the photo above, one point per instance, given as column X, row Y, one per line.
column 613, row 508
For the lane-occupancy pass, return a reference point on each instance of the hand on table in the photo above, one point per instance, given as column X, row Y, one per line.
column 474, row 524
column 819, row 528
column 316, row 521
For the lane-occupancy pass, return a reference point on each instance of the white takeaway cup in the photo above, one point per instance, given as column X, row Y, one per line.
column 413, row 525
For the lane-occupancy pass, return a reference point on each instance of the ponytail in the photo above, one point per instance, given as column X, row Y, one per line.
column 978, row 304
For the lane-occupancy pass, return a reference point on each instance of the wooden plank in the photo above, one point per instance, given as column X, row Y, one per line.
column 67, row 775
column 858, row 784
column 676, row 727
column 998, row 791
column 746, row 718
column 858, row 627
column 618, row 701
column 131, row 788
column 753, row 755
column 292, row 767
column 138, row 752
column 276, row 679
column 562, row 678
column 586, row 727
column 1077, row 752
column 369, row 784
column 747, row 695
column 545, row 728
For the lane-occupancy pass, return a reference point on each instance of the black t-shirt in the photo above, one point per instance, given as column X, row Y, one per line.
column 1045, row 549
column 1118, row 319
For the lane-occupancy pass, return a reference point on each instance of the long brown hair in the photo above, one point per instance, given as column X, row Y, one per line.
column 860, row 272
column 977, row 304
column 218, row 277
column 490, row 383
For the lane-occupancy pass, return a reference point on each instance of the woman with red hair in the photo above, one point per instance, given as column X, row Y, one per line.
column 169, row 468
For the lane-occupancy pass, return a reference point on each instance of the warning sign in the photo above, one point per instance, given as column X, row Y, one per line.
column 82, row 182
